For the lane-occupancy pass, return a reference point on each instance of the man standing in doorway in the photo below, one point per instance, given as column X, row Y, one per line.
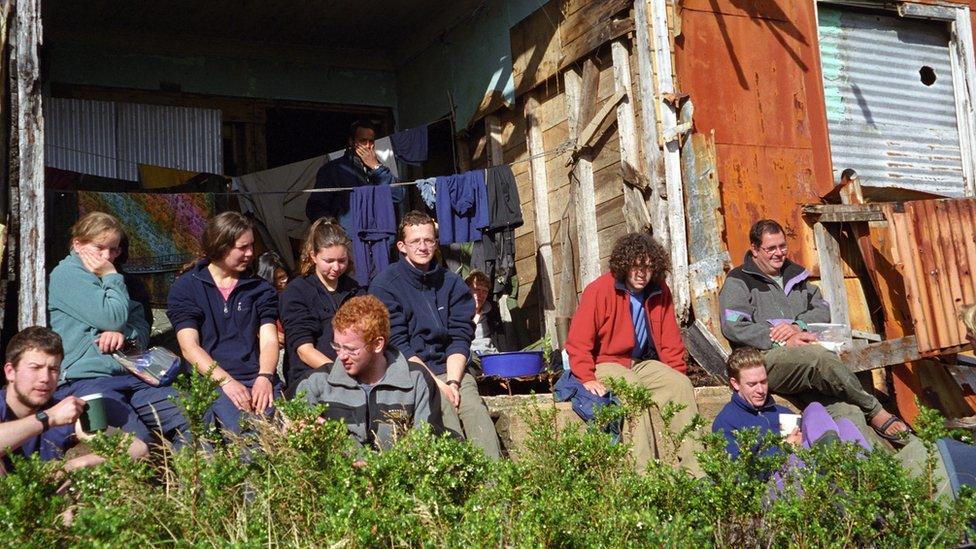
column 767, row 303
column 358, row 166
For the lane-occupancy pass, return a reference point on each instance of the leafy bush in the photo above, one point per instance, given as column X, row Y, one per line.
column 570, row 487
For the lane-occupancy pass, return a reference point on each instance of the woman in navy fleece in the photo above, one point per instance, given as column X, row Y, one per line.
column 224, row 317
column 310, row 302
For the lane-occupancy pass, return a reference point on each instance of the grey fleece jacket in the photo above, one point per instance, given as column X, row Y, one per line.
column 752, row 303
column 406, row 395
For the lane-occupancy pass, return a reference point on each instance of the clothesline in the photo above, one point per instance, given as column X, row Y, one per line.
column 559, row 149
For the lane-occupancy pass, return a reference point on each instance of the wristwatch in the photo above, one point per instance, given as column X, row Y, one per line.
column 45, row 422
column 270, row 377
column 454, row 382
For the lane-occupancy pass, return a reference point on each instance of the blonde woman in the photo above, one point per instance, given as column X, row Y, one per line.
column 310, row 301
column 90, row 309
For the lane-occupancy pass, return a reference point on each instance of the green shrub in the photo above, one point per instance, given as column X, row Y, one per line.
column 570, row 487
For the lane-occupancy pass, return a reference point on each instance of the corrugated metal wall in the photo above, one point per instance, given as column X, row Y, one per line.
column 112, row 139
column 884, row 122
column 80, row 136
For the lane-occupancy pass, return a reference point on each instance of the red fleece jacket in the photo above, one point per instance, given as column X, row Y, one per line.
column 602, row 330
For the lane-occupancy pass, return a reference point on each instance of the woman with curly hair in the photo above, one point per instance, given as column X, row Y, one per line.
column 625, row 328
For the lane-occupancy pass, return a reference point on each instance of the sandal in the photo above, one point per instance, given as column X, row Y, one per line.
column 897, row 437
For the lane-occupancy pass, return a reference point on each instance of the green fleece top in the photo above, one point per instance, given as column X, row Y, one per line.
column 82, row 306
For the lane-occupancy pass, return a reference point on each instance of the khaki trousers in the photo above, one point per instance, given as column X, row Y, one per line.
column 667, row 385
column 478, row 428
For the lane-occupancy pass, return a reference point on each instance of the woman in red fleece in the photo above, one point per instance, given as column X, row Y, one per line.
column 625, row 328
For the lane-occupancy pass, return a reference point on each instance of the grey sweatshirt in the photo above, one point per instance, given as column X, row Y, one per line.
column 406, row 395
column 752, row 303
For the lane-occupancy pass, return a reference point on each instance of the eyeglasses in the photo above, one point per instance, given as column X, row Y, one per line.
column 645, row 268
column 351, row 351
column 414, row 244
column 771, row 249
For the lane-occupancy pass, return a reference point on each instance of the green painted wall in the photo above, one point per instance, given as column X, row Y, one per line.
column 468, row 62
column 260, row 76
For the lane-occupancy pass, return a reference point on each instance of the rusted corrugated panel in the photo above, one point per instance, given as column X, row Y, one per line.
column 751, row 69
column 79, row 135
column 175, row 137
column 936, row 244
column 890, row 103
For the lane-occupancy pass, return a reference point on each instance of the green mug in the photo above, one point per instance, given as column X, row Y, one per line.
column 93, row 419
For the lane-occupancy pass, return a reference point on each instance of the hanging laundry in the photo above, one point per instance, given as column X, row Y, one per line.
column 282, row 214
column 410, row 145
column 505, row 214
column 376, row 227
column 428, row 193
column 462, row 206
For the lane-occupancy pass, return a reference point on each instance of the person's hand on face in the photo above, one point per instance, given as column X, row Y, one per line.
column 368, row 155
column 95, row 262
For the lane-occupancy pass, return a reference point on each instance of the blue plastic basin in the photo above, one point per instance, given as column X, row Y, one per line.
column 516, row 364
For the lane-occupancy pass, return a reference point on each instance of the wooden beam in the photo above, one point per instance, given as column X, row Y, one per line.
column 831, row 274
column 862, row 356
column 707, row 351
column 600, row 123
column 540, row 196
column 653, row 158
column 635, row 208
column 30, row 136
column 580, row 108
column 677, row 238
column 844, row 213
column 598, row 31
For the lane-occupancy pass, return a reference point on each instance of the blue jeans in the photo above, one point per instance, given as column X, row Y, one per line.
column 135, row 407
column 228, row 416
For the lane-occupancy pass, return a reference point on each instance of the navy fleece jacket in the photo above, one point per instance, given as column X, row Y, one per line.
column 431, row 312
column 307, row 309
column 228, row 329
column 739, row 414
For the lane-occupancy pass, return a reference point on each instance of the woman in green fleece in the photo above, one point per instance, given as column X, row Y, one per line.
column 90, row 309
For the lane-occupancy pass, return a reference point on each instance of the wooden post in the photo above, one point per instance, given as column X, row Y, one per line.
column 661, row 40
column 635, row 209
column 653, row 159
column 30, row 126
column 581, row 99
column 540, row 196
column 831, row 274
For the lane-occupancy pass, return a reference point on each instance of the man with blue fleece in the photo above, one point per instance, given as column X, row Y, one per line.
column 430, row 323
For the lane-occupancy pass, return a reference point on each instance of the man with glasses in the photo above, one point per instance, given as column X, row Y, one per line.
column 625, row 328
column 371, row 387
column 431, row 313
column 767, row 303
